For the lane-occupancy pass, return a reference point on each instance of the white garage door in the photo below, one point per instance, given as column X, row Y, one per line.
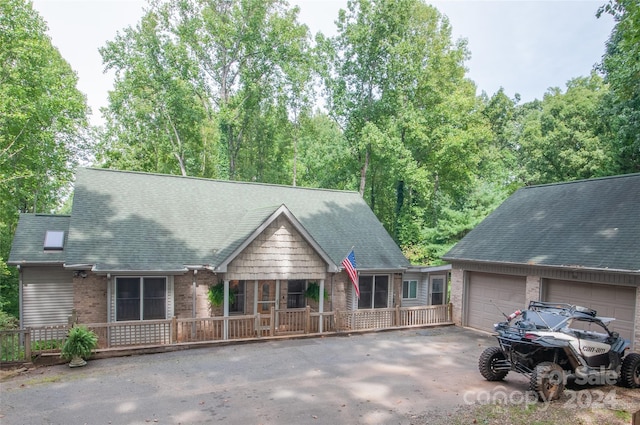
column 608, row 300
column 489, row 294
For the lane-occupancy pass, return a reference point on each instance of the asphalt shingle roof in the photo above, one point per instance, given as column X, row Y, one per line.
column 593, row 224
column 28, row 243
column 139, row 221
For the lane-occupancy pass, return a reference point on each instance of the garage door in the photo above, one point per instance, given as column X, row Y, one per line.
column 488, row 294
column 608, row 300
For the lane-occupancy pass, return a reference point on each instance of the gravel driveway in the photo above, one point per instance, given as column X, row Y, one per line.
column 375, row 378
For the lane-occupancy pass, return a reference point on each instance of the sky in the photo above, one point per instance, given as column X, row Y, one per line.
column 525, row 47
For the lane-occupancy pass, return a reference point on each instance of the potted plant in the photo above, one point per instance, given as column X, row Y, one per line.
column 216, row 295
column 79, row 344
column 313, row 292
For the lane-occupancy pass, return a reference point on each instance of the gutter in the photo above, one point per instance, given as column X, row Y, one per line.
column 545, row 266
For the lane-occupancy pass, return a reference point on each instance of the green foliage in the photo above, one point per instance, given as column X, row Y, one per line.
column 7, row 321
column 42, row 128
column 621, row 66
column 204, row 89
column 79, row 343
column 216, row 295
column 313, row 292
column 561, row 139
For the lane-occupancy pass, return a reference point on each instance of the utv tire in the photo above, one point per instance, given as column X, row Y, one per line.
column 630, row 371
column 547, row 381
column 487, row 362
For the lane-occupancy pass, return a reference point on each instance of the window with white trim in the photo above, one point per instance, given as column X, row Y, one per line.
column 437, row 290
column 141, row 298
column 410, row 289
column 374, row 292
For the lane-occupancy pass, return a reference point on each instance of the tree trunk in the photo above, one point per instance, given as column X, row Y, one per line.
column 363, row 173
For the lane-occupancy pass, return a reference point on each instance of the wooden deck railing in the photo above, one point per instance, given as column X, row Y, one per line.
column 20, row 345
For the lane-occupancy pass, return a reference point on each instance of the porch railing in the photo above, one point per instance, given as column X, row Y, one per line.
column 22, row 344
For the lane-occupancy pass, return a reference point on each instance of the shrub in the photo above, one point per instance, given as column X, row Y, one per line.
column 80, row 342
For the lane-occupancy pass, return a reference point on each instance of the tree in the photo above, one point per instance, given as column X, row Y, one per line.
column 42, row 122
column 410, row 118
column 561, row 138
column 156, row 118
column 621, row 66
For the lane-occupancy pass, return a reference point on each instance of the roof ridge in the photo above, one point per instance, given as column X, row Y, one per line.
column 618, row 176
column 145, row 173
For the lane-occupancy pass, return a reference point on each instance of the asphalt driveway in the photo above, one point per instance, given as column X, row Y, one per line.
column 375, row 378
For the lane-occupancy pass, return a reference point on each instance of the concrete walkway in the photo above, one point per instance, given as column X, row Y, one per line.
column 375, row 378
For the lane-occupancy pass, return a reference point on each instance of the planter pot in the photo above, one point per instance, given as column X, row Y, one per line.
column 77, row 361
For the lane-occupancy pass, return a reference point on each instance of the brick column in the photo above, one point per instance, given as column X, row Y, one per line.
column 457, row 290
column 532, row 290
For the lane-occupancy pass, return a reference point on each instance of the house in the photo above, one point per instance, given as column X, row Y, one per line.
column 141, row 246
column 575, row 242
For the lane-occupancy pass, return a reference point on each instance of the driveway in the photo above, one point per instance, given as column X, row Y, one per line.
column 375, row 378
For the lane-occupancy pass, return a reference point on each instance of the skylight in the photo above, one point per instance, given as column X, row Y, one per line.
column 54, row 240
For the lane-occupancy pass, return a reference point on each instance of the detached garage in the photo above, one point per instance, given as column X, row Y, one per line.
column 575, row 242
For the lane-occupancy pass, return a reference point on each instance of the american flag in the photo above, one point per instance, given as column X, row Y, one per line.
column 349, row 264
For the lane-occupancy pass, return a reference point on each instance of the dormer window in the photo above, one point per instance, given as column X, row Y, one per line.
column 54, row 240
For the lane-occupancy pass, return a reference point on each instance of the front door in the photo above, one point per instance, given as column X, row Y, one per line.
column 266, row 296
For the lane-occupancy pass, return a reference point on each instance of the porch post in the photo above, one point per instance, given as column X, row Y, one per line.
column 255, row 297
column 276, row 317
column 321, row 305
column 226, row 309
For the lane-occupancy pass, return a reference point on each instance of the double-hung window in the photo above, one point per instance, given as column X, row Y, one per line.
column 374, row 291
column 141, row 298
column 410, row 289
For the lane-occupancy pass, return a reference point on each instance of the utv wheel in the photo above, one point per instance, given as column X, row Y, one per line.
column 488, row 362
column 547, row 381
column 630, row 371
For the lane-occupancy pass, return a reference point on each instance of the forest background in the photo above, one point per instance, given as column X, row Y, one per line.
column 230, row 90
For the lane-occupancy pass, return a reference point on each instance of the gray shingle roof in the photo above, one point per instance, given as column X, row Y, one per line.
column 28, row 243
column 592, row 224
column 138, row 221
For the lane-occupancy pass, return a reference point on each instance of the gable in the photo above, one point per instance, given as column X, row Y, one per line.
column 592, row 224
column 136, row 221
column 278, row 252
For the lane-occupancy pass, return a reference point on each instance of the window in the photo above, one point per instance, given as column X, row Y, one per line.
column 53, row 240
column 374, row 292
column 236, row 287
column 437, row 290
column 295, row 293
column 410, row 289
column 141, row 298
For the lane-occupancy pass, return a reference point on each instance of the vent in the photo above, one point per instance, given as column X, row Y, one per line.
column 54, row 240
